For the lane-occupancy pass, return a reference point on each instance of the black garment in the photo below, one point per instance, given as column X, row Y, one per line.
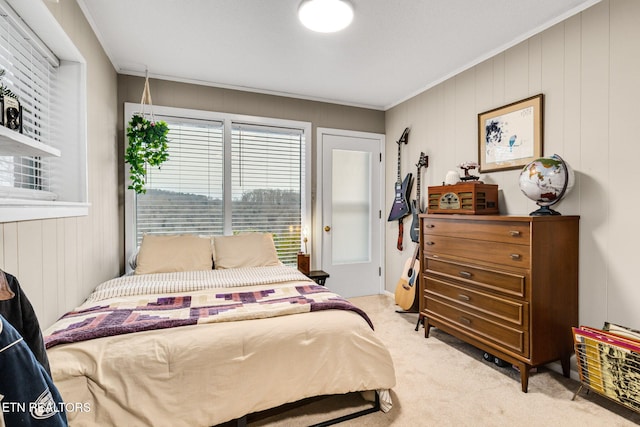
column 28, row 397
column 19, row 313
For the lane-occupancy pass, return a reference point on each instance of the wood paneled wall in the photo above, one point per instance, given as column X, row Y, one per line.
column 587, row 68
column 59, row 261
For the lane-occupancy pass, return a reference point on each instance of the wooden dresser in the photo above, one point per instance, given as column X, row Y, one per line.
column 505, row 284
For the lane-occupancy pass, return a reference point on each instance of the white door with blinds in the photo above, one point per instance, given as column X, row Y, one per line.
column 225, row 175
column 351, row 224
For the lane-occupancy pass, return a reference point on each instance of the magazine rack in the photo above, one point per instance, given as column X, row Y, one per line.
column 608, row 364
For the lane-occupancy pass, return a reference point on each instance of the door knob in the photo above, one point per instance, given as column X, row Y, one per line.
column 327, row 228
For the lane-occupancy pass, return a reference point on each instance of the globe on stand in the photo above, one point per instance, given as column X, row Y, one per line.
column 546, row 181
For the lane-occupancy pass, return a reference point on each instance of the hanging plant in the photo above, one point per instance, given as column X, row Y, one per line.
column 147, row 143
column 147, row 146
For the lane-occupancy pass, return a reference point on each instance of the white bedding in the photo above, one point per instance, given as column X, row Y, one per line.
column 206, row 374
column 186, row 281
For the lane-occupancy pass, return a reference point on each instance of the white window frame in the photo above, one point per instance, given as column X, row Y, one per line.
column 227, row 119
column 70, row 138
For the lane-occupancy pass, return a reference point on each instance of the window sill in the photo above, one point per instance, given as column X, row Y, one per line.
column 13, row 143
column 12, row 210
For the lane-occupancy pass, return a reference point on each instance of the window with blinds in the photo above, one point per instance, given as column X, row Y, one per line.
column 185, row 195
column 227, row 177
column 266, row 179
column 30, row 71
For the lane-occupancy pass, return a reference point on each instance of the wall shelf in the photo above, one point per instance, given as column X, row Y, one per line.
column 13, row 143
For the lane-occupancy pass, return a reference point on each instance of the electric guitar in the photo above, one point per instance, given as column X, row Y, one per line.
column 400, row 207
column 416, row 208
column 407, row 286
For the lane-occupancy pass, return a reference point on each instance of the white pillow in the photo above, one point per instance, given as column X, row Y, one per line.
column 169, row 253
column 245, row 250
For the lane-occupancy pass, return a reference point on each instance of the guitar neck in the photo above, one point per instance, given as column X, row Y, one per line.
column 399, row 177
column 424, row 162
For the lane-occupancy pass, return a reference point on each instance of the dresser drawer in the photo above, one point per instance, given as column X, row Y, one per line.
column 509, row 338
column 511, row 284
column 503, row 231
column 512, row 313
column 509, row 254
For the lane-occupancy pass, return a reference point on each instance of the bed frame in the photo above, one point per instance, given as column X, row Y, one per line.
column 243, row 421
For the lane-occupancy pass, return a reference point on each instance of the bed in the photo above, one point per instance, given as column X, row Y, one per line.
column 180, row 344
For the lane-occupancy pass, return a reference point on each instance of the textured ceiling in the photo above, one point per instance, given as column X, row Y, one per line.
column 393, row 50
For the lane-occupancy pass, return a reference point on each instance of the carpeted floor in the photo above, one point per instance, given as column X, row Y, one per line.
column 442, row 381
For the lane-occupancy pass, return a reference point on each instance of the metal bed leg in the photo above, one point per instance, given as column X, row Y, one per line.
column 374, row 408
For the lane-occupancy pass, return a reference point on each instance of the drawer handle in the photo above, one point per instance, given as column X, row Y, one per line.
column 429, row 243
column 429, row 225
column 514, row 233
column 465, row 274
column 463, row 297
column 465, row 320
column 515, row 256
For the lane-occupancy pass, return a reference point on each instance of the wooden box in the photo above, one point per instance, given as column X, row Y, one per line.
column 304, row 263
column 471, row 198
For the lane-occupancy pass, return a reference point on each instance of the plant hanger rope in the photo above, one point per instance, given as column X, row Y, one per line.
column 146, row 98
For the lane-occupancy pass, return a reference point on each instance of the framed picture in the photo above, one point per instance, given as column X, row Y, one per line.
column 510, row 137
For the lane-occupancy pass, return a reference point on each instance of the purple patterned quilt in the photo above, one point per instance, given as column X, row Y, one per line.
column 147, row 312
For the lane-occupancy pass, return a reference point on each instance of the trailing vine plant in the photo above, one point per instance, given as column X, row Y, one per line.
column 147, row 146
column 147, row 143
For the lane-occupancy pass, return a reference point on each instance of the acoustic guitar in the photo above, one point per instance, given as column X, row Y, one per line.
column 400, row 207
column 405, row 295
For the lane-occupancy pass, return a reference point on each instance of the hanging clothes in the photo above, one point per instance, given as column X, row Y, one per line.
column 28, row 396
column 18, row 311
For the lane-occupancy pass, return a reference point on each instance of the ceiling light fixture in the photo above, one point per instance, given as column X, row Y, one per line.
column 325, row 16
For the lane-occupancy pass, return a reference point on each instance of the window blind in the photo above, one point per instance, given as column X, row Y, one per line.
column 186, row 194
column 30, row 73
column 262, row 165
column 266, row 177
